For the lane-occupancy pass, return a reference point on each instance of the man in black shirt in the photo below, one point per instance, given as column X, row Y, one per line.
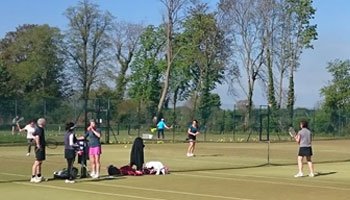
column 40, row 155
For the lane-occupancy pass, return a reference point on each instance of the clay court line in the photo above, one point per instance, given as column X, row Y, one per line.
column 168, row 191
column 262, row 181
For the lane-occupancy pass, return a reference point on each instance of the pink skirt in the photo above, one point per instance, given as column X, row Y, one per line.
column 95, row 150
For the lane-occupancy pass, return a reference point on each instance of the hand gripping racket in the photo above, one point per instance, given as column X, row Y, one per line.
column 291, row 132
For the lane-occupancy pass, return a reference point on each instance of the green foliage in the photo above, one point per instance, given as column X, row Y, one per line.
column 147, row 69
column 337, row 92
column 32, row 58
column 5, row 78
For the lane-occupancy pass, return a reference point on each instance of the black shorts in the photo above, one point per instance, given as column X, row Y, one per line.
column 305, row 151
column 191, row 138
column 40, row 154
column 30, row 141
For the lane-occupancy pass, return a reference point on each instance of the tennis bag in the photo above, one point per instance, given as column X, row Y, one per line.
column 63, row 174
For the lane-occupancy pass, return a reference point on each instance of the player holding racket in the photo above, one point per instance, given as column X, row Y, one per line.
column 29, row 128
column 303, row 138
column 192, row 132
column 161, row 125
column 14, row 124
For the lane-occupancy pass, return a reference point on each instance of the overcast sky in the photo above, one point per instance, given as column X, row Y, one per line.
column 332, row 19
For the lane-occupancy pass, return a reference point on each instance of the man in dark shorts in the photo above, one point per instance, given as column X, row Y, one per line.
column 40, row 155
column 303, row 138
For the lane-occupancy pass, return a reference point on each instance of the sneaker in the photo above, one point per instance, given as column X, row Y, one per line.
column 95, row 176
column 69, row 181
column 299, row 175
column 92, row 174
column 28, row 154
column 311, row 175
column 38, row 179
column 32, row 180
column 188, row 155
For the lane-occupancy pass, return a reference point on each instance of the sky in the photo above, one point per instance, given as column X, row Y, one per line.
column 332, row 18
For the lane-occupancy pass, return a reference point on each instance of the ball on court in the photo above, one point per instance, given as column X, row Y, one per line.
column 153, row 130
column 126, row 146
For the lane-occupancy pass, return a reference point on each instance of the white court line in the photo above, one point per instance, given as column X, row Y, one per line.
column 269, row 182
column 123, row 186
column 169, row 191
column 85, row 191
column 269, row 177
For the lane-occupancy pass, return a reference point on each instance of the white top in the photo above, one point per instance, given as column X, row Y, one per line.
column 30, row 130
column 156, row 166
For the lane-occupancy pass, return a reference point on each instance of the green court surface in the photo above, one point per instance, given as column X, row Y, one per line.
column 238, row 171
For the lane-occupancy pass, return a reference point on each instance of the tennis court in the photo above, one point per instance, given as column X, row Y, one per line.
column 241, row 171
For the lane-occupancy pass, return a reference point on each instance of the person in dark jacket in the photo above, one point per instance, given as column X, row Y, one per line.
column 137, row 154
column 70, row 145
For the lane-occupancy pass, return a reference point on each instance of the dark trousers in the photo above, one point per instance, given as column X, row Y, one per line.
column 70, row 162
column 161, row 133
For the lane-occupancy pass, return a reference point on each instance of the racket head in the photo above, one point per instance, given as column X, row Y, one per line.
column 20, row 119
column 51, row 143
column 291, row 131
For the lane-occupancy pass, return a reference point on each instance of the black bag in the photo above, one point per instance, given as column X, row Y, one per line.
column 63, row 174
column 113, row 170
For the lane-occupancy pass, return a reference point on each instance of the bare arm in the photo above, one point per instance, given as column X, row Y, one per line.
column 297, row 138
column 37, row 141
column 95, row 132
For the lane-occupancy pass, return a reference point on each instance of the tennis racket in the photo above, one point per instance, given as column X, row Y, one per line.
column 291, row 132
column 19, row 120
column 51, row 143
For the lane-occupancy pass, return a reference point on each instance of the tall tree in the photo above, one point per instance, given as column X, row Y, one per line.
column 244, row 23
column 87, row 45
column 126, row 43
column 31, row 55
column 173, row 7
column 300, row 35
column 146, row 70
column 206, row 55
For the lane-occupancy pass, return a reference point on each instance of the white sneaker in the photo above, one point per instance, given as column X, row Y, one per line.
column 92, row 174
column 69, row 181
column 38, row 179
column 311, row 175
column 28, row 154
column 96, row 176
column 299, row 175
column 32, row 180
column 188, row 155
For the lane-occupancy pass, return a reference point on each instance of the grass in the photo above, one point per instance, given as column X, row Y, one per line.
column 240, row 171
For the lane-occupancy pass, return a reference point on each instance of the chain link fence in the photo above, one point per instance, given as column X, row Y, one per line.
column 122, row 122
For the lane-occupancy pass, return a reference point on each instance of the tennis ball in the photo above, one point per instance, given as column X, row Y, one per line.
column 126, row 146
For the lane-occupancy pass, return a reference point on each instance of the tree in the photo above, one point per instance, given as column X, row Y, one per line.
column 206, row 55
column 243, row 23
column 300, row 35
column 337, row 92
column 31, row 56
column 5, row 78
column 126, row 43
column 172, row 7
column 146, row 70
column 87, row 45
